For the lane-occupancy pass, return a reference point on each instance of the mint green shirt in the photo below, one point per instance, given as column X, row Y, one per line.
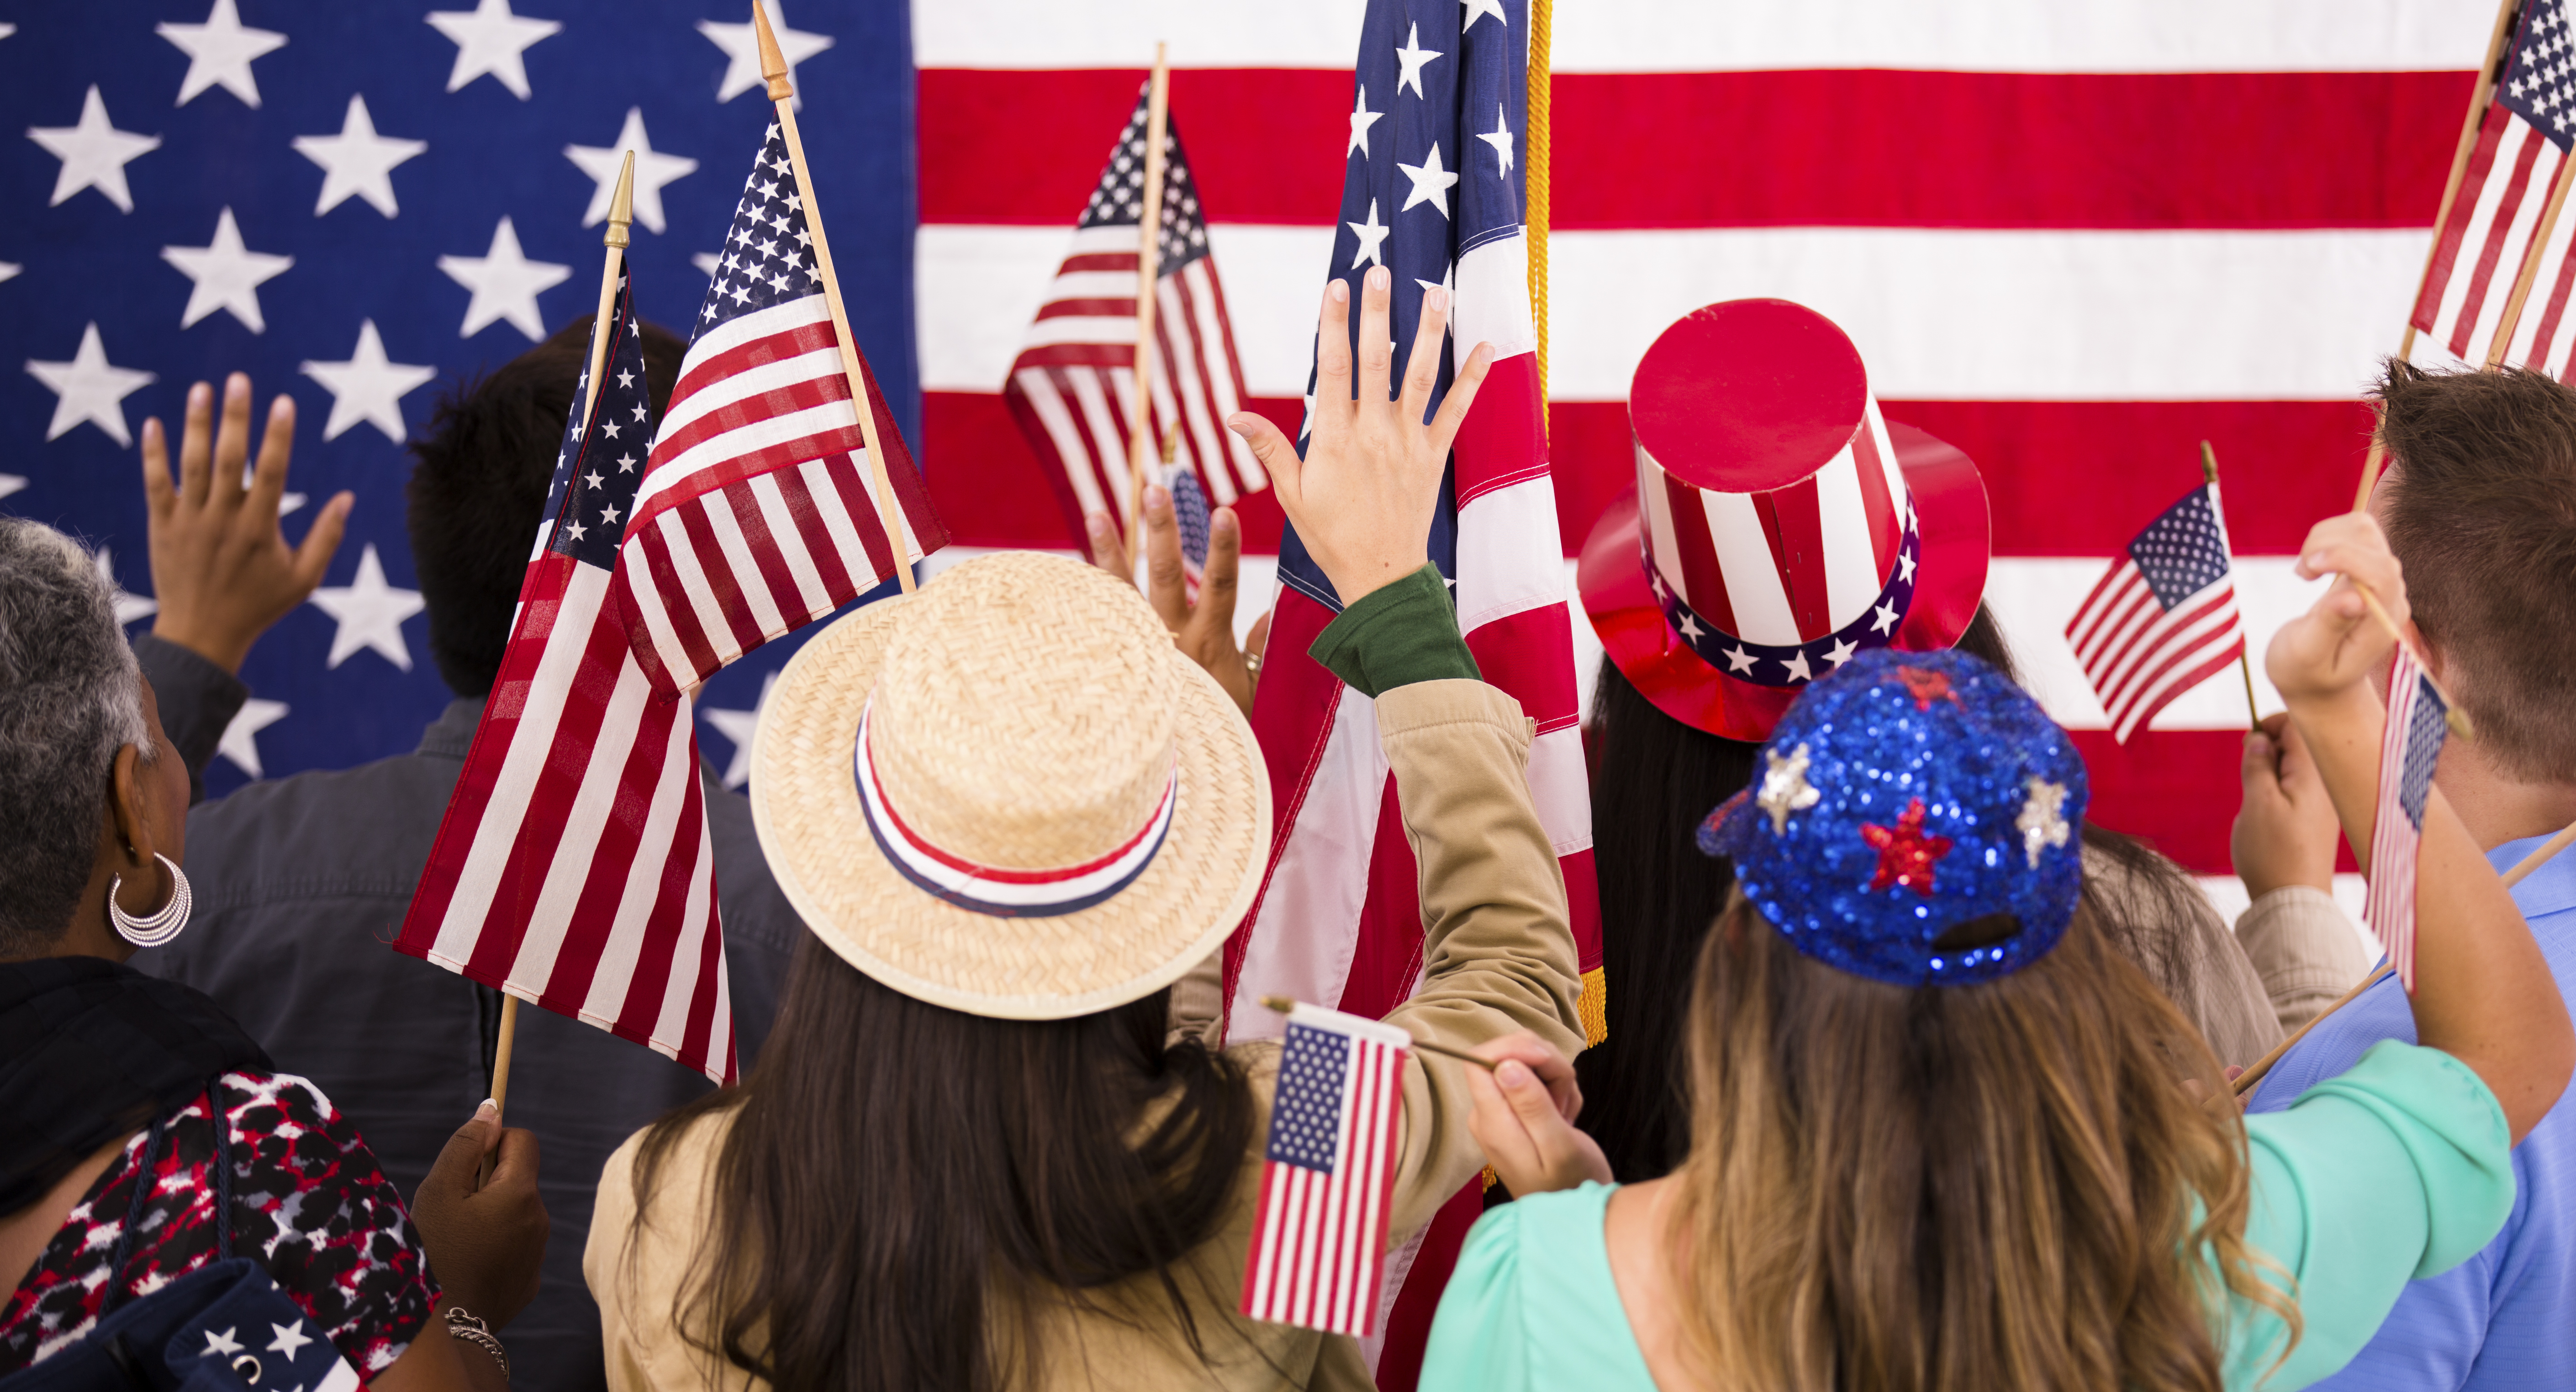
column 2398, row 1168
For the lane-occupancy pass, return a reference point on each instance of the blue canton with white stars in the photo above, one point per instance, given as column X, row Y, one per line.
column 596, row 478
column 1119, row 200
column 768, row 257
column 2184, row 551
column 2426, row 729
column 1306, row 1115
column 2540, row 83
column 1432, row 170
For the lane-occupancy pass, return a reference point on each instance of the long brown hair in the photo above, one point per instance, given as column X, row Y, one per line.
column 906, row 1189
column 1959, row 1188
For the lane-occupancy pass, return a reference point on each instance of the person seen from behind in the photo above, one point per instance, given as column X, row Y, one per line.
column 976, row 1154
column 1943, row 1138
column 2479, row 503
column 155, row 1166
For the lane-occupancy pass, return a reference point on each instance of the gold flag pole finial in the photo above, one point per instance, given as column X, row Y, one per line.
column 621, row 205
column 773, row 63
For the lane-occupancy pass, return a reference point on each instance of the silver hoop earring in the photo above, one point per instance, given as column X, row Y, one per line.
column 162, row 924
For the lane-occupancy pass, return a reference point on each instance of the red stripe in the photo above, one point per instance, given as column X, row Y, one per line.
column 697, row 1030
column 2095, row 607
column 621, row 841
column 722, row 585
column 1526, row 655
column 654, row 548
column 1583, row 906
column 1123, row 308
column 1096, row 450
column 1502, row 441
column 1016, row 511
column 700, row 372
column 820, row 550
column 1386, row 949
column 2482, row 278
column 1942, row 149
column 1099, row 261
column 2547, row 331
column 541, row 827
column 540, row 599
column 2455, row 228
column 1700, row 573
column 911, row 496
column 1886, row 528
column 766, row 558
column 2148, row 644
column 844, row 473
column 2209, row 666
column 1293, row 719
column 1793, row 518
column 2138, row 455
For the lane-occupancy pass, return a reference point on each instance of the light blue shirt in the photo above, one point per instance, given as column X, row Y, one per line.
column 2505, row 1318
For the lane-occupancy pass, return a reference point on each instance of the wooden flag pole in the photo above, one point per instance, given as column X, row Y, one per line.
column 2522, row 869
column 773, row 66
column 2508, row 14
column 2530, row 265
column 1149, row 271
column 1535, row 172
column 2244, row 662
column 621, row 216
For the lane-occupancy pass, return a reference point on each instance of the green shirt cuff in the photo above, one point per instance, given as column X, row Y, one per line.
column 1397, row 635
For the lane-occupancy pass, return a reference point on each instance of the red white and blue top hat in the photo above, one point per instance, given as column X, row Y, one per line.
column 1780, row 526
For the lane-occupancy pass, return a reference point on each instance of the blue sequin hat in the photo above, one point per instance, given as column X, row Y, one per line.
column 1904, row 795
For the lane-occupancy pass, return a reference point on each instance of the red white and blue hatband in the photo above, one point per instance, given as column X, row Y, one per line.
column 1780, row 525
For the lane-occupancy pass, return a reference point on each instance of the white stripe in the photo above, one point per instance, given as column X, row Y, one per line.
column 1498, row 534
column 680, row 989
column 2524, row 226
column 2189, row 654
column 594, row 803
column 2147, row 647
column 1072, row 454
column 839, row 524
column 684, row 471
column 1685, row 35
column 1098, row 285
column 1493, row 299
column 693, row 583
column 1561, row 787
column 341, row 1378
column 1199, row 429
column 1852, row 578
column 1937, row 313
column 1300, row 945
column 735, row 550
column 2482, row 216
column 789, row 542
column 1079, row 328
column 1899, row 496
column 655, row 844
column 647, row 597
column 1754, row 589
column 1090, row 387
column 531, row 748
column 720, row 1057
column 1205, row 289
column 2543, row 285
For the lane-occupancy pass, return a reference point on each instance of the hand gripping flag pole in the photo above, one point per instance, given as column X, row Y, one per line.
column 773, row 66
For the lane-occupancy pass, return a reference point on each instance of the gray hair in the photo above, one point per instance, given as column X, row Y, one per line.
column 70, row 698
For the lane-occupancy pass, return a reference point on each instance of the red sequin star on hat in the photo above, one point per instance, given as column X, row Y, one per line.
column 1927, row 685
column 1905, row 854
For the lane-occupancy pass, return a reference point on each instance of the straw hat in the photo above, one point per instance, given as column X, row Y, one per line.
column 1009, row 794
column 1780, row 526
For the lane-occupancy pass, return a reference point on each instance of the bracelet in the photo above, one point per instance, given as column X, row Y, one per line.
column 465, row 1327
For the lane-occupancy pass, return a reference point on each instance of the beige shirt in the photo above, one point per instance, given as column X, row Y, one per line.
column 1497, row 957
column 2304, row 949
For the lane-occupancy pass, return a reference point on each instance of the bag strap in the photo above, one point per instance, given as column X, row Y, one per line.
column 133, row 1216
column 221, row 1163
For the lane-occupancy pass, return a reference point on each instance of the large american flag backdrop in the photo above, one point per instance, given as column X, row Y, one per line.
column 2074, row 241
column 359, row 205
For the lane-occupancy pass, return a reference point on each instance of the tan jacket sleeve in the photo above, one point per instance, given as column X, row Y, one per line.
column 1497, row 955
column 2304, row 949
column 2182, row 945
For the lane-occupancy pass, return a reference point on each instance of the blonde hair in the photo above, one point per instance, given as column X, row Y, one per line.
column 1955, row 1189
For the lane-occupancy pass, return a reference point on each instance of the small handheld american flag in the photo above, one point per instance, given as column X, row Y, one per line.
column 1328, row 1174
column 2497, row 229
column 2408, row 749
column 1073, row 385
column 757, row 515
column 2164, row 619
column 573, row 867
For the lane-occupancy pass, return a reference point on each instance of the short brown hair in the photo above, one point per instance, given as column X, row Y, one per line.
column 2480, row 503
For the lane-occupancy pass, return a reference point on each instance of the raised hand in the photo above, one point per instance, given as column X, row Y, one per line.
column 2330, row 650
column 221, row 570
column 1363, row 497
column 1203, row 630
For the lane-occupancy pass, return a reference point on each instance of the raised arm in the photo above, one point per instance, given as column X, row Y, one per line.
column 1497, row 954
column 2483, row 992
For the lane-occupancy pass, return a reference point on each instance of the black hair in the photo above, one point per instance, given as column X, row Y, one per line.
column 478, row 491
